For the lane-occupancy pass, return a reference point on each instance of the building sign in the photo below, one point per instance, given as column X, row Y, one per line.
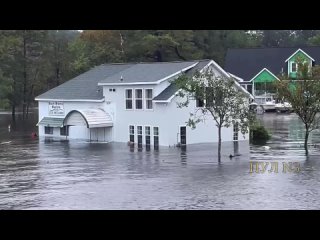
column 56, row 108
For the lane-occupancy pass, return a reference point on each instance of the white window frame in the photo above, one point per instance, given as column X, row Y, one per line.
column 130, row 129
column 141, row 130
column 153, row 131
column 134, row 127
column 139, row 134
column 49, row 128
column 142, row 98
column 179, row 131
column 145, row 134
column 156, row 135
column 125, row 99
column 145, row 130
column 296, row 67
column 145, row 99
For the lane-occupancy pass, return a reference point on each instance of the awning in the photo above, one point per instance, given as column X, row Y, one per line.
column 92, row 118
column 51, row 122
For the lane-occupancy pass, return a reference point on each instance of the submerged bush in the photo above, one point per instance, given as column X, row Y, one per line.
column 259, row 134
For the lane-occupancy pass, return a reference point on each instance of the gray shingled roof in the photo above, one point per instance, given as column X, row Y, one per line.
column 85, row 86
column 147, row 72
column 172, row 88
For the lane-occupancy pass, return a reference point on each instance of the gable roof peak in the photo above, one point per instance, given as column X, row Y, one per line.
column 264, row 69
column 297, row 52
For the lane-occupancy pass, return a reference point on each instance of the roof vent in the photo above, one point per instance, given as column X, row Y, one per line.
column 121, row 78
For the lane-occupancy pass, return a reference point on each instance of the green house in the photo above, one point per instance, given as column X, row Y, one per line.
column 299, row 55
column 263, row 82
column 257, row 69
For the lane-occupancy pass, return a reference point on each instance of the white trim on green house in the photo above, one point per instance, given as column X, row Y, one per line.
column 302, row 52
column 264, row 69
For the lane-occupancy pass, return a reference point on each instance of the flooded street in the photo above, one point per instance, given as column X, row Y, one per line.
column 47, row 174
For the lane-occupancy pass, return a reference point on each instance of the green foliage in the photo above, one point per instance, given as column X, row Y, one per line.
column 34, row 61
column 5, row 91
column 304, row 96
column 223, row 101
column 38, row 60
column 314, row 41
column 80, row 61
column 259, row 134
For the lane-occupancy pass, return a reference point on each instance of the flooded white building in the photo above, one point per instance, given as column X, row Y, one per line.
column 133, row 102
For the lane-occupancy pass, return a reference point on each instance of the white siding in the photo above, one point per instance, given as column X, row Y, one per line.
column 76, row 132
column 167, row 116
column 75, row 118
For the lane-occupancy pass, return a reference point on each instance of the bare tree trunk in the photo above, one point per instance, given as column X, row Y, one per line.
column 178, row 53
column 13, row 111
column 27, row 113
column 158, row 56
column 13, row 101
column 306, row 136
column 31, row 93
column 219, row 145
column 24, row 104
column 235, row 148
column 58, row 74
column 29, row 100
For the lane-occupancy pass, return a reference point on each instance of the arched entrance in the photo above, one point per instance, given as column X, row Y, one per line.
column 89, row 124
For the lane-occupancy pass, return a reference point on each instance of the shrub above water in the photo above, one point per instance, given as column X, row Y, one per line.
column 259, row 134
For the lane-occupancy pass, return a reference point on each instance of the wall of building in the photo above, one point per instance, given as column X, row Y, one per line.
column 294, row 59
column 167, row 116
column 75, row 132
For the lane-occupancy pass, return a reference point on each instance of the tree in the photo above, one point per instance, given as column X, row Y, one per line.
column 58, row 54
column 277, row 38
column 23, row 54
column 5, row 91
column 314, row 41
column 304, row 96
column 215, row 43
column 223, row 101
column 104, row 46
column 10, row 93
column 80, row 61
column 161, row 45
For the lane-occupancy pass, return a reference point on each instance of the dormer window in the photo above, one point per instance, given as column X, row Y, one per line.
column 294, row 67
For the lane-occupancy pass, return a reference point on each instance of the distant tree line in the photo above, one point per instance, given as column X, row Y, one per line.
column 34, row 61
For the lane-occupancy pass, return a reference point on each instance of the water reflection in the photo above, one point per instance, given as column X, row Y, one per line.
column 183, row 155
column 59, row 174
